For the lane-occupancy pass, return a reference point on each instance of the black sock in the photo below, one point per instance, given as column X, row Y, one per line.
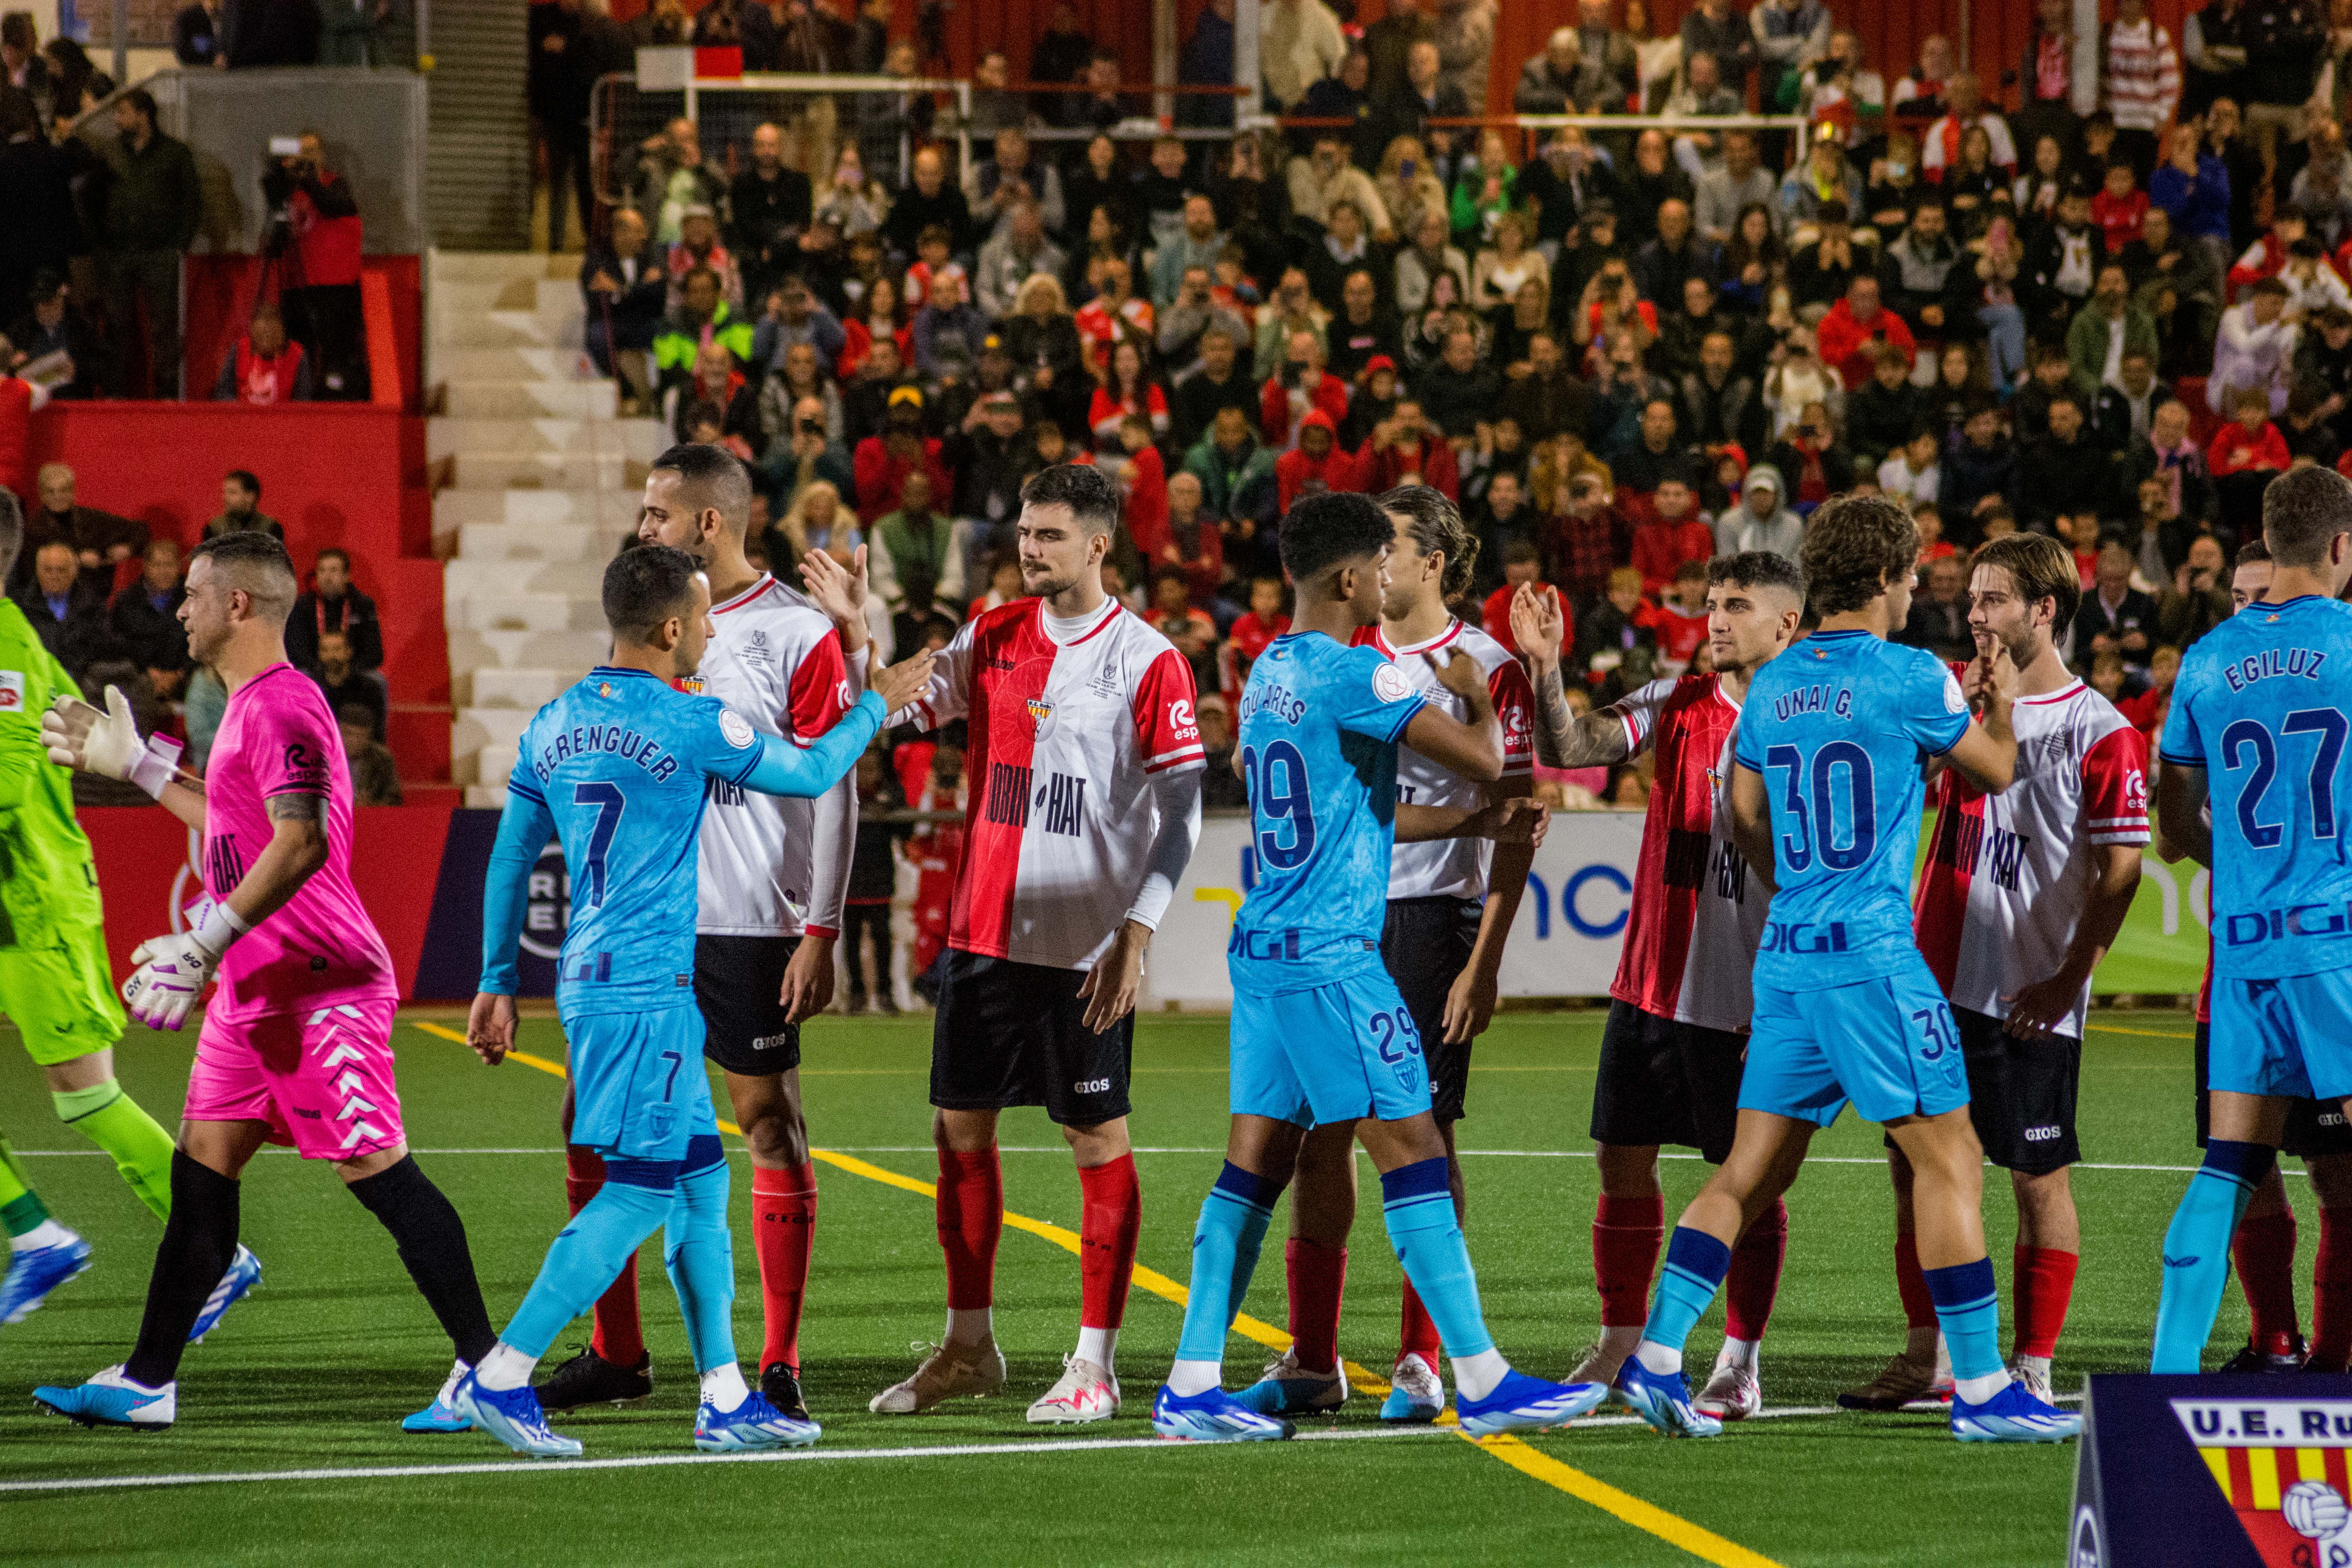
column 199, row 1241
column 432, row 1242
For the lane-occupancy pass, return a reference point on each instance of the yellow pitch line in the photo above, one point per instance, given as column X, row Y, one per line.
column 2144, row 1034
column 1674, row 1529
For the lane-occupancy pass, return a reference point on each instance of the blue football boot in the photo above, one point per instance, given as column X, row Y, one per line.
column 2014, row 1415
column 754, row 1424
column 1662, row 1399
column 1416, row 1394
column 441, row 1416
column 511, row 1415
column 1213, row 1417
column 110, row 1399
column 244, row 1274
column 35, row 1272
column 1520, row 1401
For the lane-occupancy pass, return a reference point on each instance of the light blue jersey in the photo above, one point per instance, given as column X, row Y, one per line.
column 1319, row 728
column 618, row 767
column 1839, row 727
column 2264, row 704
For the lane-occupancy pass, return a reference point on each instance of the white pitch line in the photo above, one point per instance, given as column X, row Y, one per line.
column 514, row 1466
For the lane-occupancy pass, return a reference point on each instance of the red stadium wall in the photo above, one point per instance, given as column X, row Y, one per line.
column 220, row 295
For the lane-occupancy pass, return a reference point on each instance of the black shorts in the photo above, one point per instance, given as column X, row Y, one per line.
column 1426, row 945
column 739, row 983
column 2021, row 1094
column 1667, row 1082
column 2313, row 1127
column 1012, row 1034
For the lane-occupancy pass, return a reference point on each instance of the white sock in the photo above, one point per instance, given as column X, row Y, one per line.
column 504, row 1368
column 2035, row 1363
column 1977, row 1390
column 1738, row 1353
column 1192, row 1377
column 1098, row 1345
column 458, row 1370
column 1943, row 1356
column 49, row 1233
column 723, row 1389
column 971, row 1325
column 1660, row 1359
column 1476, row 1376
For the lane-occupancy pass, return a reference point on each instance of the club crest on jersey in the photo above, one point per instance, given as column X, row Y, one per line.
column 1041, row 716
column 603, row 688
column 1390, row 685
column 691, row 685
column 737, row 729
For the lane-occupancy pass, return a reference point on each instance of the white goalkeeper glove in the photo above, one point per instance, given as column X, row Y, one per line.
column 81, row 737
column 172, row 970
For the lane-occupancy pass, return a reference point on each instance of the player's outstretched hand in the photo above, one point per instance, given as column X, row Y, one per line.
column 1536, row 623
column 107, row 742
column 1522, row 819
column 839, row 590
column 903, row 681
column 490, row 1027
column 1110, row 986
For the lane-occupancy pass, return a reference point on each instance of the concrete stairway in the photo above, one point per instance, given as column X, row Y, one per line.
column 542, row 483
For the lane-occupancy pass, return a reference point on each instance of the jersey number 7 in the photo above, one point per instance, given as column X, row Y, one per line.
column 609, row 802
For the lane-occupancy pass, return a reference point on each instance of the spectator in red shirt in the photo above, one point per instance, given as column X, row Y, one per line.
column 1850, row 335
column 1145, row 483
column 2119, row 206
column 2147, row 711
column 1251, row 632
column 881, row 463
column 2245, row 455
column 1677, row 535
column 1194, row 545
column 2081, row 532
column 1521, row 563
column 1405, row 448
column 1298, row 383
column 1317, row 464
column 1679, row 620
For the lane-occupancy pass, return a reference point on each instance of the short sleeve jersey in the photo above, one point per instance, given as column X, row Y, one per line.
column 2007, row 875
column 774, row 660
column 1455, row 868
column 1690, row 937
column 621, row 765
column 1838, row 726
column 2264, row 704
column 49, row 886
column 1065, row 729
column 1320, row 728
column 277, row 737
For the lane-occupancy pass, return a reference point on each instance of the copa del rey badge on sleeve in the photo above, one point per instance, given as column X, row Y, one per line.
column 2217, row 1472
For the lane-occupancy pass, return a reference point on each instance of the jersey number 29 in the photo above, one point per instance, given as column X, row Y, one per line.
column 1278, row 795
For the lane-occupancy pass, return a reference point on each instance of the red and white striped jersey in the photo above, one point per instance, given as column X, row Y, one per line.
column 769, row 865
column 1067, row 729
column 2007, row 874
column 1691, row 936
column 1455, row 868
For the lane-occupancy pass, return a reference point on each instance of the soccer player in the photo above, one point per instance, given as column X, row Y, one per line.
column 2257, row 728
column 2263, row 1250
column 1679, row 1006
column 1083, row 808
column 295, row 1046
column 773, row 871
column 619, row 766
column 1825, row 797
column 54, row 982
column 1321, row 1035
column 1441, row 945
column 2022, row 895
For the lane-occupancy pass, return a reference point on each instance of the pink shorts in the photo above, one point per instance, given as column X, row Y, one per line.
column 322, row 1080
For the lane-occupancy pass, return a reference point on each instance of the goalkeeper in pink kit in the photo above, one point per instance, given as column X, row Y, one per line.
column 295, row 1048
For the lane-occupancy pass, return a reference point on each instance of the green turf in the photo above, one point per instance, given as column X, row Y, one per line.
column 317, row 1367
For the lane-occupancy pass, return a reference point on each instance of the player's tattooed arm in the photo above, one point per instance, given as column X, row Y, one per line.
column 1563, row 739
column 297, row 849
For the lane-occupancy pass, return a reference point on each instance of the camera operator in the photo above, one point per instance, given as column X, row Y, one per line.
column 315, row 236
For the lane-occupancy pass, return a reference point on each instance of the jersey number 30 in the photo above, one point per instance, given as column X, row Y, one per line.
column 609, row 802
column 1281, row 803
column 1811, row 806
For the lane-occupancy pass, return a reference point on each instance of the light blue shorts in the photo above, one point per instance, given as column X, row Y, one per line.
column 638, row 1090
column 2291, row 1037
column 1334, row 1053
column 1887, row 1045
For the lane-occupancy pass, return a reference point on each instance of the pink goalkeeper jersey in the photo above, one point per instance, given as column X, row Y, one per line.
column 278, row 738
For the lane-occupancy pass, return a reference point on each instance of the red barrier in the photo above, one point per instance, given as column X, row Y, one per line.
column 220, row 297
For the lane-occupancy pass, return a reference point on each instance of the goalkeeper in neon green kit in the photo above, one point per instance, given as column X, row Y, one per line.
column 55, row 985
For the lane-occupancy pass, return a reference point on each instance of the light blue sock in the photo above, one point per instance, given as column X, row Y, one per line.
column 2197, row 1251
column 588, row 1253
column 1968, row 1309
column 1695, row 1267
column 1226, row 1244
column 1418, row 1206
column 700, row 1255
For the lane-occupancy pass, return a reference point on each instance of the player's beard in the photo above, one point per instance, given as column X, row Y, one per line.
column 1043, row 584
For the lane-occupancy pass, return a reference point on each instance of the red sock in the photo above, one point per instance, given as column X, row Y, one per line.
column 1918, row 1305
column 1627, row 1234
column 1416, row 1331
column 2264, row 1251
column 972, row 1217
column 619, row 1336
column 1109, row 1220
column 1755, row 1277
column 1317, row 1275
column 783, row 1228
column 2043, row 1286
column 2331, row 1295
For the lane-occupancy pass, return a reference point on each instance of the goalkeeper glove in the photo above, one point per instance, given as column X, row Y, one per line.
column 172, row 970
column 79, row 736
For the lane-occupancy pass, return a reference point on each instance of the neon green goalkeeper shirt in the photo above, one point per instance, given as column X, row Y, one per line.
column 48, row 882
